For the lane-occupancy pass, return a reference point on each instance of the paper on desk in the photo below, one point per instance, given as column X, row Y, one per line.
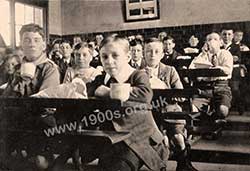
column 183, row 57
column 202, row 63
column 3, row 86
column 156, row 83
column 75, row 90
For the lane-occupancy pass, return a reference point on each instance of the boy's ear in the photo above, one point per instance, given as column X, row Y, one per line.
column 44, row 46
column 162, row 55
column 221, row 43
column 129, row 56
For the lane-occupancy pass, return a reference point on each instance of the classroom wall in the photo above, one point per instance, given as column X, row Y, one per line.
column 55, row 17
column 85, row 16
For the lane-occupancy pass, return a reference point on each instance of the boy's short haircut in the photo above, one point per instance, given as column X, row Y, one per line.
column 152, row 40
column 169, row 38
column 214, row 32
column 57, row 41
column 99, row 35
column 163, row 33
column 9, row 51
column 116, row 38
column 227, row 28
column 239, row 31
column 11, row 56
column 66, row 41
column 136, row 42
column 35, row 28
column 78, row 46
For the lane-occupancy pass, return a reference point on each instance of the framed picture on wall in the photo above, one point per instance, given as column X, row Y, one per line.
column 142, row 10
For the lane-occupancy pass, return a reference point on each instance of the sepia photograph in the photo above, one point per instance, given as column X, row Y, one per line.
column 124, row 85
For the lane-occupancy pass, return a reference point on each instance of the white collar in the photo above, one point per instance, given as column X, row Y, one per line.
column 137, row 62
column 226, row 46
column 67, row 60
column 122, row 77
column 106, row 79
column 154, row 71
column 42, row 59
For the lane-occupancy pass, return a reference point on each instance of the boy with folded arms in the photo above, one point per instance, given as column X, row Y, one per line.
column 146, row 144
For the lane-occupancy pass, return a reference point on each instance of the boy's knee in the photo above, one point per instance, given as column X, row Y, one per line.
column 179, row 138
column 223, row 111
column 179, row 141
column 42, row 162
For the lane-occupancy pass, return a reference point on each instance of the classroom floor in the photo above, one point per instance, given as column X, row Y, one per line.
column 171, row 167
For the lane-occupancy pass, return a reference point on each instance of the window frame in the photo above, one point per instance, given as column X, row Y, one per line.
column 142, row 5
column 35, row 3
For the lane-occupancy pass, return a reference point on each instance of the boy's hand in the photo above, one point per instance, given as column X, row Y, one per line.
column 102, row 91
column 205, row 48
column 217, row 67
column 235, row 58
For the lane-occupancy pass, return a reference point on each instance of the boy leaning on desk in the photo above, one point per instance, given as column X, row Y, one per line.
column 146, row 144
column 212, row 56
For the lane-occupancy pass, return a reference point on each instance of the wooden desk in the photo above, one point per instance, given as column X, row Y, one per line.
column 59, row 103
column 245, row 57
column 194, row 73
column 193, row 55
column 76, row 107
column 171, row 93
column 161, row 116
column 180, row 63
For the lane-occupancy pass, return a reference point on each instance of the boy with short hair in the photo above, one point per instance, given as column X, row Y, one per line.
column 166, row 77
column 66, row 60
column 219, row 58
column 171, row 54
column 137, row 60
column 162, row 35
column 146, row 143
column 227, row 35
column 238, row 36
column 55, row 53
column 45, row 75
column 83, row 55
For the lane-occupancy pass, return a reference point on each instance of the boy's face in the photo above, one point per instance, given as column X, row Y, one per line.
column 66, row 49
column 56, row 47
column 99, row 39
column 193, row 41
column 19, row 53
column 114, row 58
column 33, row 45
column 10, row 65
column 83, row 57
column 227, row 36
column 153, row 53
column 92, row 45
column 214, row 42
column 238, row 36
column 136, row 52
column 168, row 45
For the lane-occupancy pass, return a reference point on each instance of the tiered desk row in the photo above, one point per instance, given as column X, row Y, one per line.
column 232, row 147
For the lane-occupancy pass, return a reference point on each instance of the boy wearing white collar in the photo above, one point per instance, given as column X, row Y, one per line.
column 166, row 77
column 218, row 58
column 137, row 149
